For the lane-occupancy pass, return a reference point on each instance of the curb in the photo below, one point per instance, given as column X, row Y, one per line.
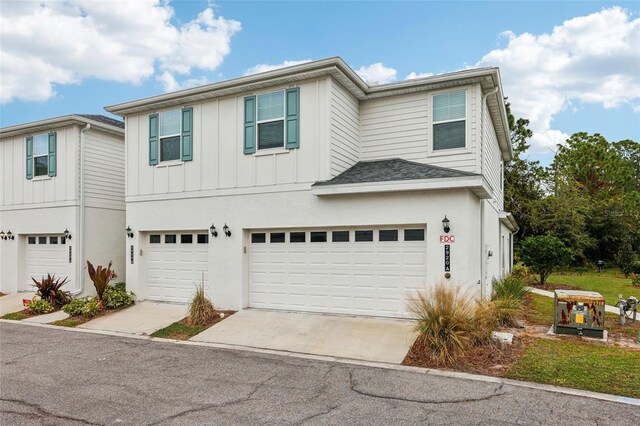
column 349, row 361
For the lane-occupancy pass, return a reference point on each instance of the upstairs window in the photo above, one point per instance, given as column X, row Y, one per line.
column 270, row 115
column 271, row 120
column 41, row 155
column 170, row 135
column 449, row 120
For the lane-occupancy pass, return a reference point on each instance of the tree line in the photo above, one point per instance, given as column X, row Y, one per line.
column 588, row 197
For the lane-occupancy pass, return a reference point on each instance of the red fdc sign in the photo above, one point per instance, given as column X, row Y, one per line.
column 447, row 239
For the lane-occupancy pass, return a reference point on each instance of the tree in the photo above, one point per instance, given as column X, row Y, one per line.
column 544, row 253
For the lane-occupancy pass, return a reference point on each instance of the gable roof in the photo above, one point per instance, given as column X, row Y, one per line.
column 101, row 122
column 488, row 78
column 395, row 169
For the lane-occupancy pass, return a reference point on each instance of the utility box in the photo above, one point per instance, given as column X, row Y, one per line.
column 579, row 313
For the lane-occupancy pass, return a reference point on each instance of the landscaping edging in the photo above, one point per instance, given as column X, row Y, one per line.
column 435, row 372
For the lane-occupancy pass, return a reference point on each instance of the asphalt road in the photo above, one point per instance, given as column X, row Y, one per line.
column 57, row 377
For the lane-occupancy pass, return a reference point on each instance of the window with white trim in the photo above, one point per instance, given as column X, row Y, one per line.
column 170, row 131
column 270, row 120
column 41, row 155
column 449, row 120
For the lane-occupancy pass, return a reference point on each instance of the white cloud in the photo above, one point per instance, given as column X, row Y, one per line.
column 377, row 73
column 590, row 59
column 170, row 84
column 269, row 67
column 413, row 75
column 48, row 43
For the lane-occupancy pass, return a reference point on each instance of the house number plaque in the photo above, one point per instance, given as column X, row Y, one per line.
column 447, row 258
column 132, row 254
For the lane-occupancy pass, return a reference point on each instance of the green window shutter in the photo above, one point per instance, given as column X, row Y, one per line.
column 187, row 134
column 52, row 153
column 30, row 157
column 249, row 124
column 293, row 118
column 153, row 139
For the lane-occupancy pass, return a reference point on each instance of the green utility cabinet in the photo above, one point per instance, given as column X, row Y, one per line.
column 579, row 313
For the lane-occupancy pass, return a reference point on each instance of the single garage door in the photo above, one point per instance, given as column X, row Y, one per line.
column 349, row 271
column 46, row 254
column 175, row 264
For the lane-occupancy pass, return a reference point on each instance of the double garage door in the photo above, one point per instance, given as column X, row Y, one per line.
column 348, row 271
column 46, row 254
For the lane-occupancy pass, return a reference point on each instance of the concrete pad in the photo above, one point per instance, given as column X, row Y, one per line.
column 13, row 302
column 363, row 338
column 142, row 318
column 47, row 318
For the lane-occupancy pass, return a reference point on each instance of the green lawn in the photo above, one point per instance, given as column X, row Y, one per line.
column 178, row 330
column 580, row 365
column 16, row 316
column 609, row 284
column 67, row 323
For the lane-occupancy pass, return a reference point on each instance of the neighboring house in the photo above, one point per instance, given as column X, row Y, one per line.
column 62, row 200
column 332, row 192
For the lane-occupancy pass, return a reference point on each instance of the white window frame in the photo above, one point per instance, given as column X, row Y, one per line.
column 283, row 119
column 179, row 134
column 35, row 175
column 449, row 151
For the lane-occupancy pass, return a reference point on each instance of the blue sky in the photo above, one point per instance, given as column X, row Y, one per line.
column 589, row 66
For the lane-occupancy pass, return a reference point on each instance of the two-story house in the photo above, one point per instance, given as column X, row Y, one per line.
column 305, row 188
column 61, row 200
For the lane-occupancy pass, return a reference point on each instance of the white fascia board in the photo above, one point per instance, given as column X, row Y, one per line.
column 56, row 122
column 509, row 221
column 474, row 183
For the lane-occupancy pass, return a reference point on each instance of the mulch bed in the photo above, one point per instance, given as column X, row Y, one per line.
column 551, row 286
column 77, row 320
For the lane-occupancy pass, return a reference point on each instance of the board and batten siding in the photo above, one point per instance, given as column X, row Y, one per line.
column 219, row 164
column 103, row 170
column 400, row 127
column 492, row 160
column 20, row 192
column 345, row 129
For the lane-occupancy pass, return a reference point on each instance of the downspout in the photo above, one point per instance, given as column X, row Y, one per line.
column 483, row 266
column 81, row 237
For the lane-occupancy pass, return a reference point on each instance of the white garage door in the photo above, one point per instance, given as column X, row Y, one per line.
column 46, row 254
column 363, row 271
column 175, row 263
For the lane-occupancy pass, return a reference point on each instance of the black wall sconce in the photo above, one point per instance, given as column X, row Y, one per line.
column 445, row 224
column 214, row 231
column 7, row 236
column 226, row 230
column 1, row 235
column 129, row 232
column 67, row 234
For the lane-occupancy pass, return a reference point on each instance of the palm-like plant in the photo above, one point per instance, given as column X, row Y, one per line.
column 49, row 289
column 100, row 277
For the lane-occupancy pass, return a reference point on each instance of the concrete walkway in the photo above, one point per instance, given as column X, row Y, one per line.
column 363, row 338
column 13, row 302
column 142, row 318
column 607, row 308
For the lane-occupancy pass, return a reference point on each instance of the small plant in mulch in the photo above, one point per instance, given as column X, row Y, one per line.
column 101, row 277
column 182, row 330
column 49, row 289
column 201, row 310
column 114, row 297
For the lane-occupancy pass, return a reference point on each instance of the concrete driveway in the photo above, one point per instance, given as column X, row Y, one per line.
column 13, row 302
column 363, row 338
column 141, row 318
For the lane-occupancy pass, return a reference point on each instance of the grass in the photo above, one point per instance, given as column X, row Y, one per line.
column 179, row 331
column 609, row 284
column 16, row 316
column 580, row 365
column 67, row 323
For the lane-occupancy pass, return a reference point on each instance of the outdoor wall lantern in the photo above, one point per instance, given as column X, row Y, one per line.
column 67, row 234
column 226, row 230
column 445, row 224
column 7, row 236
column 2, row 235
column 214, row 231
column 129, row 232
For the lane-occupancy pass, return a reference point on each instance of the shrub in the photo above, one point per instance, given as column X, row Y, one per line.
column 114, row 298
column 121, row 286
column 543, row 253
column 507, row 311
column 201, row 310
column 91, row 307
column 635, row 280
column 100, row 277
column 74, row 308
column 636, row 267
column 445, row 318
column 522, row 272
column 509, row 286
column 40, row 306
column 49, row 289
column 626, row 259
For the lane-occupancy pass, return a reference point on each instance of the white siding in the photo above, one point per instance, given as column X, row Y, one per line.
column 103, row 170
column 20, row 192
column 400, row 127
column 492, row 160
column 219, row 163
column 345, row 129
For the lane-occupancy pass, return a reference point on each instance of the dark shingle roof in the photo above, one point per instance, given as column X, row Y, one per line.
column 391, row 170
column 103, row 119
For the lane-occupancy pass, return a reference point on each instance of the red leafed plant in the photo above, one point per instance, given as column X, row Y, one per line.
column 50, row 289
column 100, row 277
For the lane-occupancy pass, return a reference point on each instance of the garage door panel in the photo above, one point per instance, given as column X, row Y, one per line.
column 42, row 258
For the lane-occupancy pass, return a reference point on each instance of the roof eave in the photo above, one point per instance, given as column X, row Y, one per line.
column 63, row 121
